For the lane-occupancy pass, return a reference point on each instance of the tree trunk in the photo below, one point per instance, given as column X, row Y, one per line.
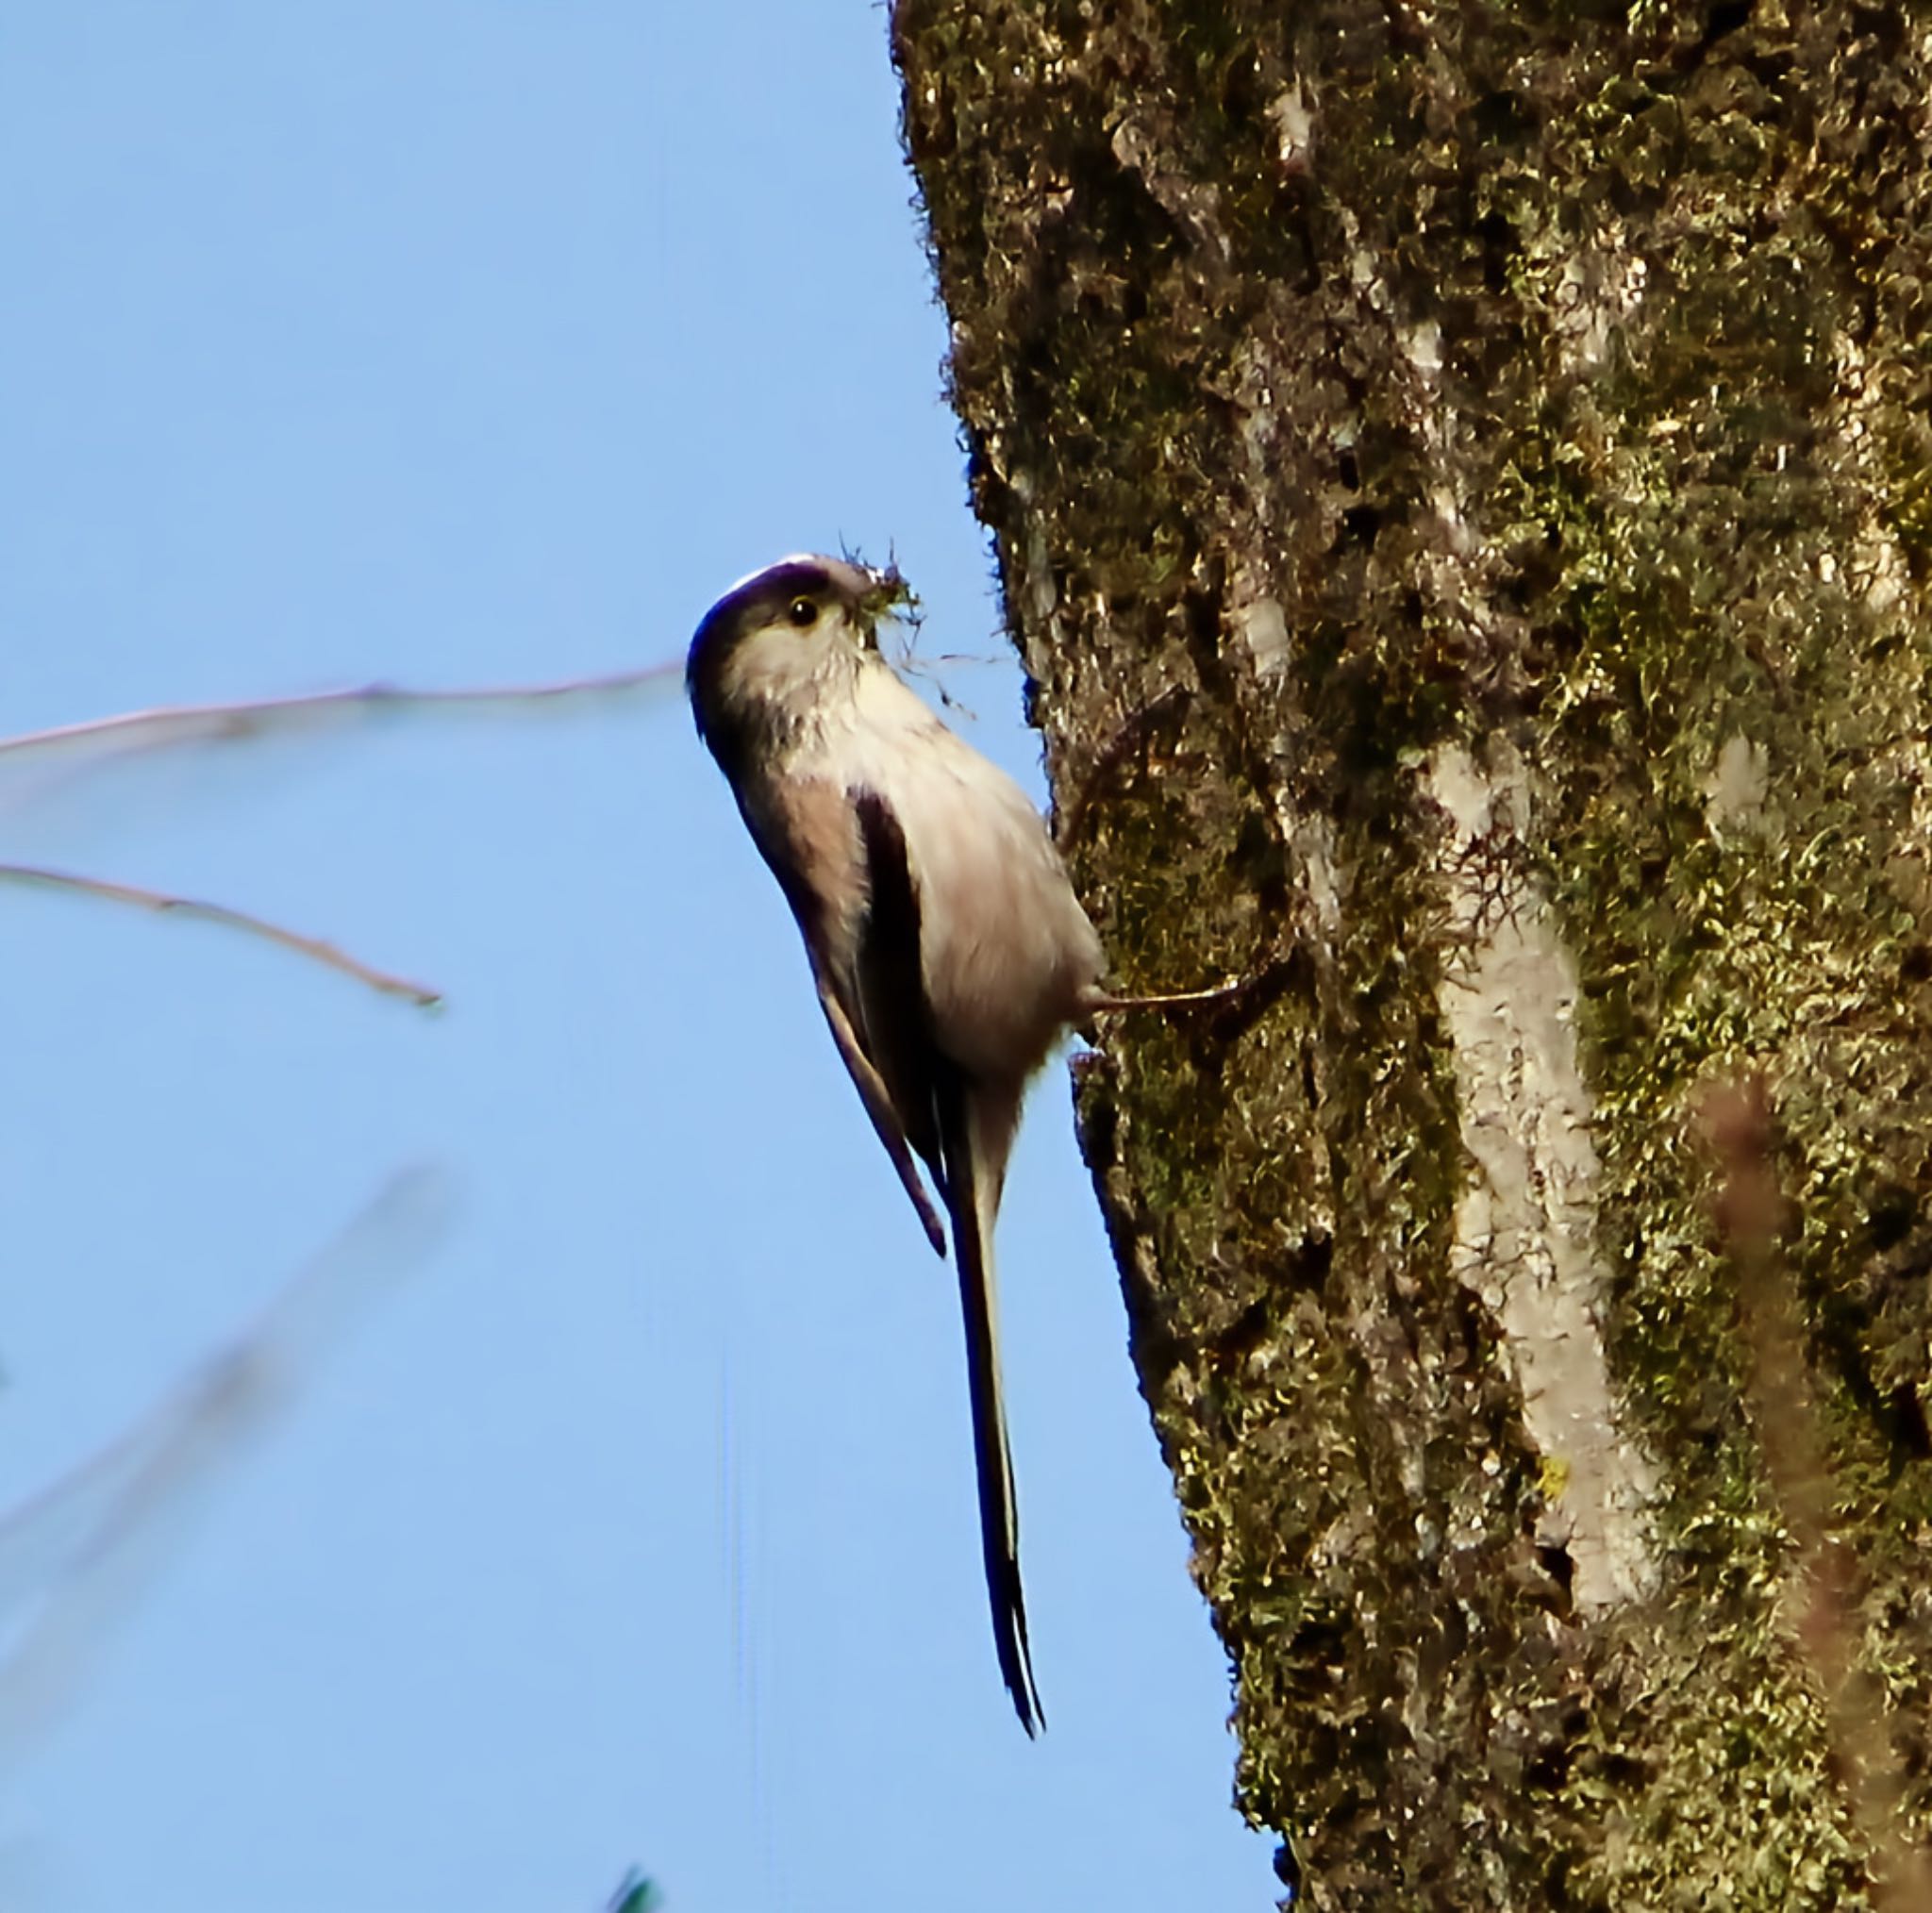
column 1460, row 475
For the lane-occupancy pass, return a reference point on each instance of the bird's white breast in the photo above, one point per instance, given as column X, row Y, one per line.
column 1006, row 949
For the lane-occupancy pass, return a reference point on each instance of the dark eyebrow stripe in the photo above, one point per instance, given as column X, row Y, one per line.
column 735, row 612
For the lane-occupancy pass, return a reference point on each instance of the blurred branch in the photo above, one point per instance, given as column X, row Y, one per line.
column 1752, row 1216
column 87, row 1545
column 169, row 725
column 160, row 901
column 634, row 1894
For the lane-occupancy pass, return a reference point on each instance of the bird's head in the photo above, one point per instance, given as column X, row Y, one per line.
column 771, row 647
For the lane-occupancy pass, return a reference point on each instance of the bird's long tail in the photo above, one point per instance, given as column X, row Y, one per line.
column 973, row 1138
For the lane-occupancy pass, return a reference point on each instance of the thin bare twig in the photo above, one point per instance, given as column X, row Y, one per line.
column 1752, row 1213
column 171, row 725
column 188, row 723
column 314, row 948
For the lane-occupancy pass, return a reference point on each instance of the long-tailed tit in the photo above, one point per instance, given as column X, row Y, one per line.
column 949, row 949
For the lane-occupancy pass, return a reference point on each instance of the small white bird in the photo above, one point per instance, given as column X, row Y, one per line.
column 949, row 949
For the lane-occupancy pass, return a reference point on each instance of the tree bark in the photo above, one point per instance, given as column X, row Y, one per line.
column 1460, row 476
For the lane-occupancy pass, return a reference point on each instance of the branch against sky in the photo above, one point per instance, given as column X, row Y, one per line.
column 93, row 745
column 167, row 726
column 164, row 903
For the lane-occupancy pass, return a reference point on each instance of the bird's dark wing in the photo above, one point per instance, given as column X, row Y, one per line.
column 951, row 1122
column 878, row 1105
column 889, row 980
column 808, row 825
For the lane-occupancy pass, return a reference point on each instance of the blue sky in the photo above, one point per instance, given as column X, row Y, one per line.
column 453, row 344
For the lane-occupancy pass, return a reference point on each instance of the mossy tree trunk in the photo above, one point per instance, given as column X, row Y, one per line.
column 1460, row 475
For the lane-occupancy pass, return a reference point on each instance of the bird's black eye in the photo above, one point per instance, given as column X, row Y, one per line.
column 802, row 611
